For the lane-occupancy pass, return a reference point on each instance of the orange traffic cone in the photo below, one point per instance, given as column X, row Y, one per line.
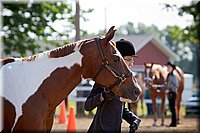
column 71, row 127
column 62, row 116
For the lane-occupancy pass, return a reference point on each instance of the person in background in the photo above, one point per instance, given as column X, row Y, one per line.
column 110, row 110
column 83, row 93
column 171, row 85
column 86, row 93
column 149, row 104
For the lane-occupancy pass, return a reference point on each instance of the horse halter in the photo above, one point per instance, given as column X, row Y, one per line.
column 147, row 77
column 105, row 64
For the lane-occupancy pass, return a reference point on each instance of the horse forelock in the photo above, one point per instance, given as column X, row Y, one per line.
column 113, row 44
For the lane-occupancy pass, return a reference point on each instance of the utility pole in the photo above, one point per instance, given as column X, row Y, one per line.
column 77, row 21
column 105, row 19
column 79, row 104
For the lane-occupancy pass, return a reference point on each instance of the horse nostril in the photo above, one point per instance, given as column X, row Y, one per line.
column 137, row 92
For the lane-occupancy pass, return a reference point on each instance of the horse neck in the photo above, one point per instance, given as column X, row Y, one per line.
column 70, row 75
column 62, row 83
column 60, row 72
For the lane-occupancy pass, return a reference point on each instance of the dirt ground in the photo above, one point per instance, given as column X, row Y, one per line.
column 188, row 125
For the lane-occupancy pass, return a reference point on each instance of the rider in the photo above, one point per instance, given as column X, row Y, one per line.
column 172, row 85
column 110, row 110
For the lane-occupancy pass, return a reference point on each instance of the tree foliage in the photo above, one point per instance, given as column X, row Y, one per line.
column 191, row 35
column 182, row 41
column 140, row 29
column 24, row 24
column 192, row 32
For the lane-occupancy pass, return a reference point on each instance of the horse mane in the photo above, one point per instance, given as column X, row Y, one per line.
column 180, row 73
column 6, row 60
column 56, row 52
column 62, row 51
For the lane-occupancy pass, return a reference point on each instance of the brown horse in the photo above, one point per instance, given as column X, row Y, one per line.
column 34, row 86
column 156, row 74
column 133, row 106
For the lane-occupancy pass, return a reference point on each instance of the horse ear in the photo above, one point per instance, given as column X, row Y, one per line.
column 110, row 34
column 152, row 64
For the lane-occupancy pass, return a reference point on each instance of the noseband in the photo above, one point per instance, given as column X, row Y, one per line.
column 147, row 78
column 105, row 64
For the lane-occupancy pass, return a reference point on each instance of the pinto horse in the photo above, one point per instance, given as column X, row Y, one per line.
column 34, row 86
column 156, row 74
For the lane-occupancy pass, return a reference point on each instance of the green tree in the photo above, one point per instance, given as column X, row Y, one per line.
column 24, row 24
column 192, row 33
column 174, row 38
column 140, row 29
column 127, row 29
column 187, row 38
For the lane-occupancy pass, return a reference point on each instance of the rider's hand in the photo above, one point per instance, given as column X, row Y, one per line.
column 166, row 91
column 108, row 94
column 154, row 86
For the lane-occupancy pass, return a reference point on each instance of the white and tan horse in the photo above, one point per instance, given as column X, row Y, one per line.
column 34, row 86
column 157, row 74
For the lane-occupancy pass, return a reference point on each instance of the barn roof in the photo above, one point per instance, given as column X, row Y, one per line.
column 141, row 40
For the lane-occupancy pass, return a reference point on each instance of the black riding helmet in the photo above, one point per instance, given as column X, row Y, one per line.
column 170, row 64
column 126, row 48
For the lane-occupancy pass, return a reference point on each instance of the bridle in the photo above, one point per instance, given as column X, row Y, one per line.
column 150, row 79
column 147, row 77
column 105, row 64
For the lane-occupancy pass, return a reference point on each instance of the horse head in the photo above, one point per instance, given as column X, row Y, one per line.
column 103, row 62
column 154, row 74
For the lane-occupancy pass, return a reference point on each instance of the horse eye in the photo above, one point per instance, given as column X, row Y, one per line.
column 117, row 59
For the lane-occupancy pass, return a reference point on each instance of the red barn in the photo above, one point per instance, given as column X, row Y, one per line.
column 150, row 50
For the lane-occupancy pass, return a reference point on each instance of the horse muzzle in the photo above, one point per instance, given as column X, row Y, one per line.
column 148, row 81
column 132, row 94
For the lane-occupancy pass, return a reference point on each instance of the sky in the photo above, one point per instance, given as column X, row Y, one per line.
column 109, row 13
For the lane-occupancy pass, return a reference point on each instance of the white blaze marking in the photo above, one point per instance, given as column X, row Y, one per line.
column 22, row 79
column 148, row 71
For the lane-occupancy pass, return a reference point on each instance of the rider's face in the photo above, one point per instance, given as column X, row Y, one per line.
column 129, row 61
column 169, row 68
